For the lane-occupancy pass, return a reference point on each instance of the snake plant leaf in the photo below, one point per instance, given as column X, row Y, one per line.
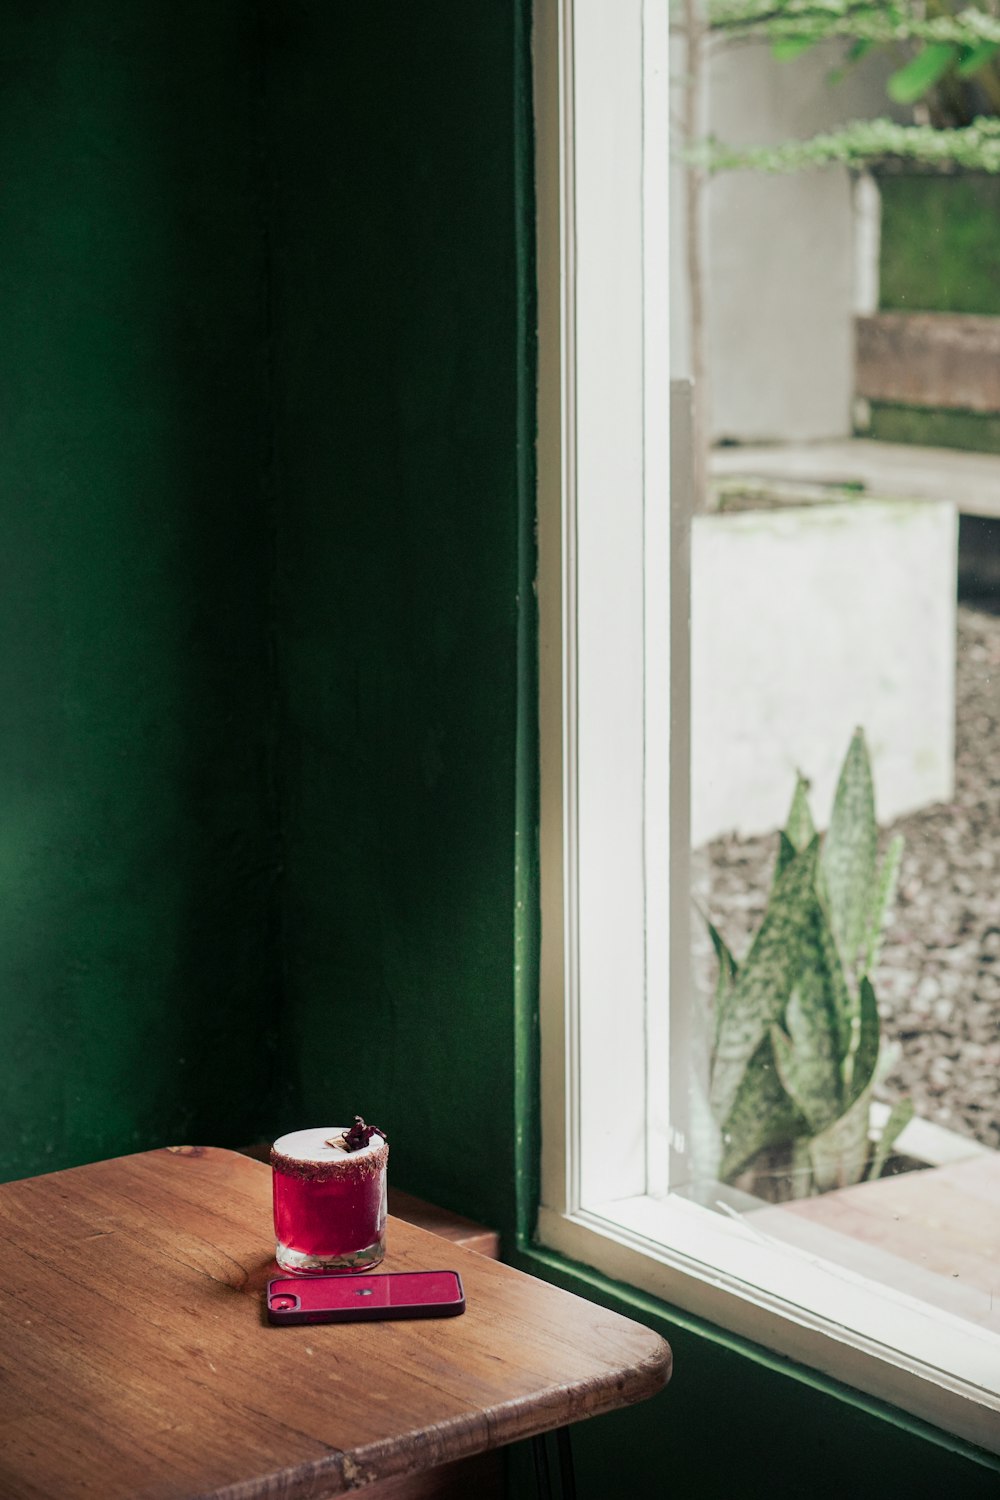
column 760, row 993
column 862, row 1061
column 827, row 957
column 786, row 853
column 910, row 83
column 840, row 1153
column 727, row 963
column 799, row 829
column 899, row 1117
column 727, row 971
column 762, row 1115
column 848, row 860
column 799, row 826
column 807, row 1053
column 882, row 899
column 800, row 1169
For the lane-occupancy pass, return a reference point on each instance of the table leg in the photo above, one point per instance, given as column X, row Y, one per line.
column 540, row 1455
column 566, row 1476
column 543, row 1476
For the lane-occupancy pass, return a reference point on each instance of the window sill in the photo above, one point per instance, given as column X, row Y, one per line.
column 784, row 1294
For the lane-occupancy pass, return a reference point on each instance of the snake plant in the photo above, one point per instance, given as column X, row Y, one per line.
column 797, row 1035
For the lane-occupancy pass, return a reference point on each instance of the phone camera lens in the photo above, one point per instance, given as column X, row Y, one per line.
column 282, row 1304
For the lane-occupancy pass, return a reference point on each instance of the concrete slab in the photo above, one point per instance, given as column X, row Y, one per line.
column 970, row 481
column 807, row 621
column 945, row 1222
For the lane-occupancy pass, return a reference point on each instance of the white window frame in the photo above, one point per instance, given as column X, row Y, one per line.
column 614, row 563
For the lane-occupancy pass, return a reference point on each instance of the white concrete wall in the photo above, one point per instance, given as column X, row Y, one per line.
column 805, row 623
column 780, row 250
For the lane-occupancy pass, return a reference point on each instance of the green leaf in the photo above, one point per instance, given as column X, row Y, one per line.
column 839, row 1154
column 806, row 1053
column 762, row 1115
column 728, row 970
column 922, row 72
column 800, row 1170
column 727, row 962
column 786, row 853
column 845, row 999
column 899, row 1117
column 862, row 1062
column 800, row 828
column 887, row 22
column 764, row 982
column 848, row 859
column 855, row 53
column 974, row 58
column 792, row 46
column 972, row 148
column 882, row 899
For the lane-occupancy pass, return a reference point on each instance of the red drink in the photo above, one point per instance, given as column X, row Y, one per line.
column 329, row 1201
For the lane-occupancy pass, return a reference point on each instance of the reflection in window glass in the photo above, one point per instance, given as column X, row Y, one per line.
column 845, row 794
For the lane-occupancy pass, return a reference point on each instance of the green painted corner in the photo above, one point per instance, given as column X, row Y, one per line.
column 266, row 386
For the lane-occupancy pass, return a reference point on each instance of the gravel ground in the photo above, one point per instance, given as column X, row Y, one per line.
column 938, row 981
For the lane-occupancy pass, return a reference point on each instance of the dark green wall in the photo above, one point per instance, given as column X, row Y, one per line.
column 259, row 370
column 396, row 381
column 134, row 680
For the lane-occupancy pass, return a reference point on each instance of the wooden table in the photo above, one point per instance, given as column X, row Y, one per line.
column 137, row 1361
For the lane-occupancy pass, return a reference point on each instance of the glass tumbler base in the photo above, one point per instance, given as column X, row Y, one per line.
column 323, row 1265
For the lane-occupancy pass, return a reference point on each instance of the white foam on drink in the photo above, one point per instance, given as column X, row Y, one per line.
column 313, row 1145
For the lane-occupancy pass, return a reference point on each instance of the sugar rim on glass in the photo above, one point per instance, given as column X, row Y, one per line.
column 308, row 1154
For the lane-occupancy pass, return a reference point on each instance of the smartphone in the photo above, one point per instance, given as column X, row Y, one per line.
column 365, row 1299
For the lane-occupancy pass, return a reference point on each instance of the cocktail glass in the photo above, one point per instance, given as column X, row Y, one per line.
column 329, row 1200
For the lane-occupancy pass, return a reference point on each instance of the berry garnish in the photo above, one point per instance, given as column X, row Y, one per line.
column 358, row 1137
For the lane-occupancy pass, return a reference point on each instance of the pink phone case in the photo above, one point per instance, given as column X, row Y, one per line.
column 365, row 1299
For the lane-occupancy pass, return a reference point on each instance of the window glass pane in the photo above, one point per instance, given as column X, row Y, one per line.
column 845, row 729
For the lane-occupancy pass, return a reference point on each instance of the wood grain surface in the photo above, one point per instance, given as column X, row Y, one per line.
column 949, row 360
column 136, row 1359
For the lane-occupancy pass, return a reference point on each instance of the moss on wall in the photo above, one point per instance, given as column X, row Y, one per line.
column 939, row 244
column 891, row 423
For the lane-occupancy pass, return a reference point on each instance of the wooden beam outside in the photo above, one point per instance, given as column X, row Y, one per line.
column 945, row 360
